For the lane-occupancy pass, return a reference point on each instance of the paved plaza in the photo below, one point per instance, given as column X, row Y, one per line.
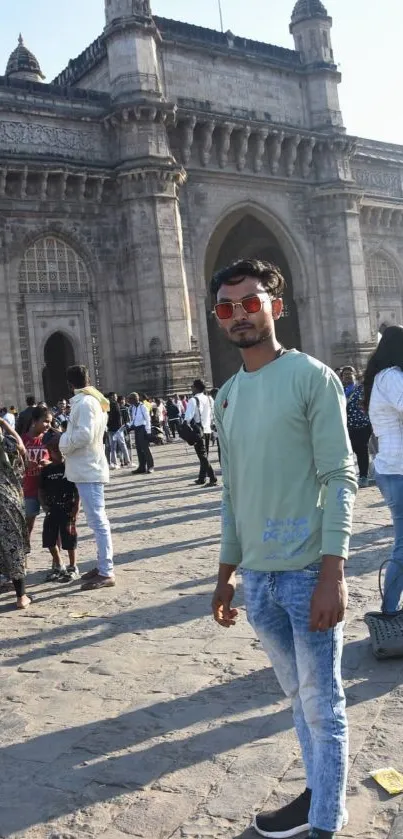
column 128, row 712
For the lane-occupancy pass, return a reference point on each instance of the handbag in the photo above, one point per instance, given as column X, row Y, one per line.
column 191, row 432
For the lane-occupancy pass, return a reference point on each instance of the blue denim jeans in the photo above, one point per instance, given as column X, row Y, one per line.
column 93, row 501
column 391, row 487
column 308, row 667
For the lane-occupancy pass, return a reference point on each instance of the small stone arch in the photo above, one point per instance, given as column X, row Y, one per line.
column 385, row 289
column 58, row 355
column 248, row 231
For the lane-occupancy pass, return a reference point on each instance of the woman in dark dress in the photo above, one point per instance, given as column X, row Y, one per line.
column 14, row 539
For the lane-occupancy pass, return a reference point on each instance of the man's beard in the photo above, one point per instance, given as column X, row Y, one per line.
column 249, row 339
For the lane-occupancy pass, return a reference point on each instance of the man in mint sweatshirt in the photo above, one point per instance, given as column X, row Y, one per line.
column 289, row 488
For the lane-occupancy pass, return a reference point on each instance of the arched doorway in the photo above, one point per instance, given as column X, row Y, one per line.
column 247, row 237
column 58, row 356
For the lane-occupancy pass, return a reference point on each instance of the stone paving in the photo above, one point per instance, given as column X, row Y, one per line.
column 128, row 712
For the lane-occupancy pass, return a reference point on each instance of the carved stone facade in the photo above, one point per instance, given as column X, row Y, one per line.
column 161, row 153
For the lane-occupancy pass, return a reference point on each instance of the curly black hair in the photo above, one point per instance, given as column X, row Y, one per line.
column 268, row 273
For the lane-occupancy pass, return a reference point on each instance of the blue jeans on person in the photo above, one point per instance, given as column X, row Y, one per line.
column 117, row 442
column 92, row 497
column 391, row 487
column 308, row 666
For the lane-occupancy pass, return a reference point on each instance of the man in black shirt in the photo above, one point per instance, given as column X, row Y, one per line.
column 24, row 419
column 60, row 501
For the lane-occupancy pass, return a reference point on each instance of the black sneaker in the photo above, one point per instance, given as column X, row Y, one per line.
column 291, row 820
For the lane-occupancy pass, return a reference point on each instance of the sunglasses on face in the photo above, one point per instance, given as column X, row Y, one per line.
column 251, row 305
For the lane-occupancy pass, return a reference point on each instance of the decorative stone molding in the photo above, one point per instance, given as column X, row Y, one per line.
column 243, row 145
column 378, row 180
column 291, row 153
column 224, row 143
column 307, row 150
column 261, row 137
column 160, row 112
column 17, row 137
column 188, row 128
column 206, row 142
column 275, row 150
column 377, row 217
column 150, row 182
column 68, row 185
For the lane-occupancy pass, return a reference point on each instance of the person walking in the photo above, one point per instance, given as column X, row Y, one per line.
column 116, row 434
column 141, row 424
column 174, row 417
column 288, row 492
column 14, row 536
column 87, row 467
column 358, row 422
column 383, row 397
column 199, row 411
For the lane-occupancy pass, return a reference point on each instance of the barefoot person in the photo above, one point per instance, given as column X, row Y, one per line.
column 289, row 487
column 14, row 538
column 86, row 466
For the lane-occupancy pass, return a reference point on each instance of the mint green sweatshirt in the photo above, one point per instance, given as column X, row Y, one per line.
column 288, row 469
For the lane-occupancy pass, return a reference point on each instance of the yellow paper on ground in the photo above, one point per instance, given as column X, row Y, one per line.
column 390, row 779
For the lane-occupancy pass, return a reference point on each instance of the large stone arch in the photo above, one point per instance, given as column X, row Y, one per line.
column 55, row 286
column 246, row 231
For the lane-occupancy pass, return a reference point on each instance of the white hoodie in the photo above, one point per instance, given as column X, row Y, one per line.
column 83, row 443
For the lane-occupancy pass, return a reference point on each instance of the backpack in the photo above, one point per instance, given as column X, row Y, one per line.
column 191, row 432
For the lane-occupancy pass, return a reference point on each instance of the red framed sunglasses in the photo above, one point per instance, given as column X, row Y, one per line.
column 251, row 305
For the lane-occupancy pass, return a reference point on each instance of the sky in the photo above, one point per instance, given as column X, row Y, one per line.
column 366, row 41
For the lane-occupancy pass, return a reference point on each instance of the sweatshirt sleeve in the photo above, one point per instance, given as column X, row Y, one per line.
column 230, row 553
column 80, row 430
column 333, row 459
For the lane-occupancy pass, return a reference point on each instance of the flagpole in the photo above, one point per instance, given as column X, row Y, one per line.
column 220, row 11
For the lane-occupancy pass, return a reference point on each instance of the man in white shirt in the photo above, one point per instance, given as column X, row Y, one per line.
column 10, row 418
column 141, row 424
column 86, row 466
column 199, row 411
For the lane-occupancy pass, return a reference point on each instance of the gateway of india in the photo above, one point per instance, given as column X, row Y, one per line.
column 160, row 154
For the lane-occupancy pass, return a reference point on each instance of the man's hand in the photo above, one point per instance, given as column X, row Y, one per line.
column 330, row 598
column 223, row 597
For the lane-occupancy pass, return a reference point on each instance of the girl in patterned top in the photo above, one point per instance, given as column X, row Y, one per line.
column 358, row 422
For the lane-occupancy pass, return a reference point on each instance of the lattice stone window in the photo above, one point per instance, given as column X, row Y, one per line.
column 52, row 265
column 382, row 274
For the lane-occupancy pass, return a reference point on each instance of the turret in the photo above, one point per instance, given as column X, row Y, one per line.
column 131, row 37
column 22, row 64
column 311, row 28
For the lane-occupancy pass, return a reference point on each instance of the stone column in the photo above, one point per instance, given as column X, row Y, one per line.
column 341, row 271
column 163, row 358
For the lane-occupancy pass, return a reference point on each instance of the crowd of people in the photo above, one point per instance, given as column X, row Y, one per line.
column 60, row 457
column 289, row 485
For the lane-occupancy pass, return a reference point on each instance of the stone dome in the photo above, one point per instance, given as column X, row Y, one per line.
column 306, row 9
column 22, row 64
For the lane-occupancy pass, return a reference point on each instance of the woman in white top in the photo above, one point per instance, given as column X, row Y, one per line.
column 383, row 397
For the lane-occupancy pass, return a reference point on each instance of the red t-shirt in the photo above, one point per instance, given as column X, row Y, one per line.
column 38, row 456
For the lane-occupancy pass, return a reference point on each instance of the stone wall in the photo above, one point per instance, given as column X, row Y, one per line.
column 233, row 86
